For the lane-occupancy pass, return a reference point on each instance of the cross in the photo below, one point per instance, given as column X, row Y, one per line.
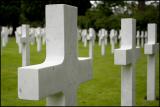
column 138, row 38
column 112, row 40
column 151, row 48
column 142, row 39
column 59, row 76
column 91, row 37
column 126, row 56
column 103, row 41
column 38, row 39
column 25, row 41
column 145, row 37
column 84, row 37
column 32, row 35
column 18, row 34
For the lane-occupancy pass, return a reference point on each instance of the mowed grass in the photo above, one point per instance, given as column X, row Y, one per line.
column 102, row 90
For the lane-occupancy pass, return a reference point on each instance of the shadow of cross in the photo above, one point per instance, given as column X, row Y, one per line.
column 59, row 76
column 126, row 56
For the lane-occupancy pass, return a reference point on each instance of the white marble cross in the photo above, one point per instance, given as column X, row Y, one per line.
column 99, row 35
column 91, row 37
column 103, row 41
column 32, row 35
column 142, row 39
column 59, row 76
column 18, row 34
column 112, row 40
column 79, row 31
column 145, row 37
column 126, row 56
column 38, row 39
column 4, row 36
column 119, row 37
column 10, row 30
column 84, row 37
column 150, row 48
column 43, row 33
column 138, row 38
column 25, row 41
column 116, row 36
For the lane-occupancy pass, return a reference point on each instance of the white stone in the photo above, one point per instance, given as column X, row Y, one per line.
column 38, row 39
column 99, row 35
column 142, row 39
column 4, row 36
column 32, row 35
column 138, row 38
column 116, row 36
column 145, row 37
column 126, row 56
column 79, row 31
column 59, row 76
column 84, row 37
column 18, row 34
column 112, row 40
column 25, row 41
column 119, row 37
column 43, row 33
column 151, row 48
column 103, row 41
column 91, row 38
column 10, row 30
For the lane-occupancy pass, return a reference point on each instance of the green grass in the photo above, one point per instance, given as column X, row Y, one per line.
column 103, row 89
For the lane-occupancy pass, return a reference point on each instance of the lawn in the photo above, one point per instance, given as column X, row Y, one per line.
column 102, row 90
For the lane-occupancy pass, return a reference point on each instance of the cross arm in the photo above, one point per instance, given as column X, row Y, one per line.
column 85, row 69
column 34, row 82
column 151, row 48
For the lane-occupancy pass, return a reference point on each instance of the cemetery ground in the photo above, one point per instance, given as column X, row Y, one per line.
column 103, row 89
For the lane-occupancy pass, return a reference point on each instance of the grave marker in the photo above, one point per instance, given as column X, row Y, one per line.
column 91, row 37
column 39, row 39
column 138, row 38
column 126, row 56
column 58, row 77
column 150, row 48
column 142, row 39
column 25, row 41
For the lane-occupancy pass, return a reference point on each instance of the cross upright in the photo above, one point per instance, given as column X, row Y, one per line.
column 59, row 76
column 150, row 48
column 25, row 45
column 126, row 56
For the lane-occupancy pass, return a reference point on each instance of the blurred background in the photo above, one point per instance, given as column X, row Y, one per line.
column 91, row 13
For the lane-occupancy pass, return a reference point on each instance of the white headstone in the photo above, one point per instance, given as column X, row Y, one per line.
column 138, row 38
column 84, row 37
column 59, row 76
column 25, row 41
column 126, row 56
column 119, row 37
column 145, row 37
column 103, row 41
column 18, row 34
column 39, row 39
column 32, row 35
column 4, row 36
column 91, row 37
column 79, row 31
column 99, row 35
column 112, row 40
column 142, row 39
column 43, row 33
column 150, row 48
column 116, row 36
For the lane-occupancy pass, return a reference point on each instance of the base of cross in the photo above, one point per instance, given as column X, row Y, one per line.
column 157, row 98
